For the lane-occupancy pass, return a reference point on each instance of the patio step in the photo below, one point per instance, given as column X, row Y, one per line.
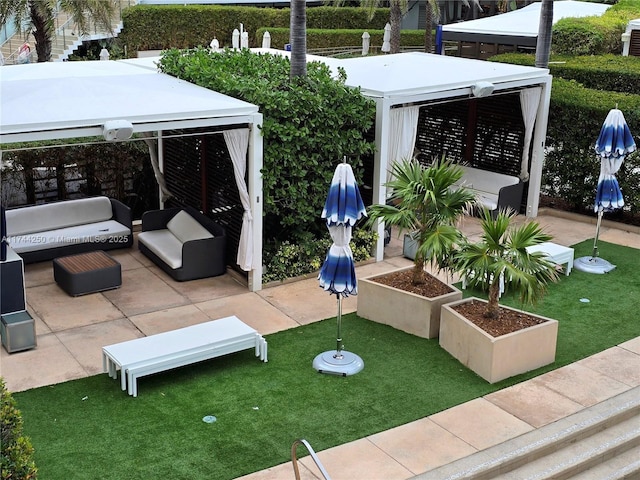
column 599, row 442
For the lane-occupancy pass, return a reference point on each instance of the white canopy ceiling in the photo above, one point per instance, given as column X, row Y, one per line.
column 525, row 21
column 54, row 99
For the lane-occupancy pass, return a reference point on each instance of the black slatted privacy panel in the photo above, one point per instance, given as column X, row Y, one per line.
column 199, row 172
column 499, row 135
column 486, row 133
column 366, row 187
column 441, row 131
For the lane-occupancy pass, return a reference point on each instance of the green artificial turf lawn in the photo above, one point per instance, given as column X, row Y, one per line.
column 89, row 428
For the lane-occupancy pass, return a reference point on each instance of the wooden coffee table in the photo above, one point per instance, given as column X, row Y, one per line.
column 87, row 273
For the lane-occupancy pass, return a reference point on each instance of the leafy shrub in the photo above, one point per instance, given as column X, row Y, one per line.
column 157, row 27
column 602, row 72
column 571, row 166
column 287, row 260
column 16, row 460
column 576, row 115
column 594, row 35
column 309, row 125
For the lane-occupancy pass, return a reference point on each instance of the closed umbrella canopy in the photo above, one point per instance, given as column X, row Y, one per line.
column 342, row 209
column 614, row 143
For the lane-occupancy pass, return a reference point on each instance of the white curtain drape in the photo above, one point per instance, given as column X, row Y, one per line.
column 237, row 141
column 529, row 101
column 402, row 134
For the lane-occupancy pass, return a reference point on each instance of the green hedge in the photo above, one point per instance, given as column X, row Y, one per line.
column 317, row 39
column 576, row 113
column 571, row 168
column 602, row 72
column 159, row 27
column 594, row 35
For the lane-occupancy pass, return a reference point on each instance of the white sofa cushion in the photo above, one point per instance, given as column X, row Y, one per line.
column 485, row 181
column 53, row 216
column 187, row 228
column 98, row 232
column 164, row 244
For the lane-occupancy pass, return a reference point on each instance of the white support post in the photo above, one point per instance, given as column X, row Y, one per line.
column 537, row 153
column 256, row 195
column 381, row 166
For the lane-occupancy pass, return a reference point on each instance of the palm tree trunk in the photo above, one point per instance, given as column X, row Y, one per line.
column 493, row 306
column 543, row 44
column 395, row 21
column 42, row 25
column 417, row 277
column 428, row 27
column 298, row 33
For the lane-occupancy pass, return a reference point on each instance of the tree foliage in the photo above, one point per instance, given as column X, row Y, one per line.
column 16, row 459
column 426, row 202
column 501, row 254
column 39, row 15
column 310, row 124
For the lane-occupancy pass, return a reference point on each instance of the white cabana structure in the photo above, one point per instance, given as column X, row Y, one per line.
column 113, row 100
column 403, row 84
column 509, row 31
column 435, row 104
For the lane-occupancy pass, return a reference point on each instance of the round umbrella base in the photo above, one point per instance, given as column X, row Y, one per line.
column 592, row 265
column 346, row 363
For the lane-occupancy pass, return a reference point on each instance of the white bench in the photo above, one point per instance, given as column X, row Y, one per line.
column 492, row 190
column 176, row 348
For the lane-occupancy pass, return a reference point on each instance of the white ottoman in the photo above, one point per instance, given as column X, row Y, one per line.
column 557, row 254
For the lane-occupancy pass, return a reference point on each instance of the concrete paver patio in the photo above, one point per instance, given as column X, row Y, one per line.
column 72, row 330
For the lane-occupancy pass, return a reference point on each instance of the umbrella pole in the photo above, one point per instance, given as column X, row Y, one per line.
column 339, row 345
column 595, row 240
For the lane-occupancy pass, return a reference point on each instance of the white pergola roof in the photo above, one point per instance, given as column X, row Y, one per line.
column 525, row 21
column 60, row 100
column 56, row 99
column 410, row 76
column 416, row 76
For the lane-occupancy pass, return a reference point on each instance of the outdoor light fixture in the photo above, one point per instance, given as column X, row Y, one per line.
column 482, row 89
column 115, row 130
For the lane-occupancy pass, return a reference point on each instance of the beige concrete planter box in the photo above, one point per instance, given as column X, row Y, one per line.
column 497, row 358
column 403, row 310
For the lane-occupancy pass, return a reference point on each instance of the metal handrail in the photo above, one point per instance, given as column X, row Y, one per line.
column 294, row 458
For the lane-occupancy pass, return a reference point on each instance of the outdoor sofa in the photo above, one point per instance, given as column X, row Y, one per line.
column 184, row 243
column 493, row 190
column 51, row 230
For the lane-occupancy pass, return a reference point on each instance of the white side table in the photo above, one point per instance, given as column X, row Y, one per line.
column 557, row 254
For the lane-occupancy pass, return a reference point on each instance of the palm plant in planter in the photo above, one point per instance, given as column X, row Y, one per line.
column 495, row 341
column 426, row 202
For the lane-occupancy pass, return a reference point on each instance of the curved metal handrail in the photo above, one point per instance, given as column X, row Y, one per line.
column 294, row 458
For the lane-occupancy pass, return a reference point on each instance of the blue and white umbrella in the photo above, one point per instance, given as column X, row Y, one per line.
column 614, row 143
column 342, row 209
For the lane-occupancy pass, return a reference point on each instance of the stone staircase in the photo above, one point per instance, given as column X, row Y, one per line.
column 66, row 39
column 601, row 442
